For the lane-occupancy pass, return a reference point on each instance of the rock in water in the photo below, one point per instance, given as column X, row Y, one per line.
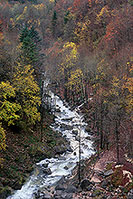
column 60, row 187
column 45, row 165
column 47, row 171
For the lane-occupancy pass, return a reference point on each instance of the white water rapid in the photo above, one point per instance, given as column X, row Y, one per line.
column 74, row 122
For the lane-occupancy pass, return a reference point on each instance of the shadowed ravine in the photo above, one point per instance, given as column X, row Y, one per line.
column 69, row 123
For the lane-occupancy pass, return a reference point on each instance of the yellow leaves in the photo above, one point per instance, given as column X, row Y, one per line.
column 26, row 17
column 115, row 86
column 100, row 70
column 20, row 17
column 70, row 55
column 39, row 6
column 8, row 110
column 2, row 142
column 72, row 47
column 28, row 93
column 75, row 79
column 82, row 31
column 12, row 22
column 19, row 46
column 32, row 113
column 103, row 13
column 6, row 90
column 115, row 81
column 2, row 139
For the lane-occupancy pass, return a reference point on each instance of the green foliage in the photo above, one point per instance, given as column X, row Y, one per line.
column 30, row 47
column 29, row 39
column 54, row 22
column 66, row 17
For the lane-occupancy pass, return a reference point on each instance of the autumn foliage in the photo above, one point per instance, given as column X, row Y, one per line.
column 85, row 49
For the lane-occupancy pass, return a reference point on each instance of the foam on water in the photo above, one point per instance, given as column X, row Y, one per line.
column 37, row 179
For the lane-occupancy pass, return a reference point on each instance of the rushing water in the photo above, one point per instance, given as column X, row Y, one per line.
column 65, row 119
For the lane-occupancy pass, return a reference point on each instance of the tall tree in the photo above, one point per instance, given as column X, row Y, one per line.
column 30, row 48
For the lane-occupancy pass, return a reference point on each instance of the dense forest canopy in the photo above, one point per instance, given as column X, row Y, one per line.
column 85, row 46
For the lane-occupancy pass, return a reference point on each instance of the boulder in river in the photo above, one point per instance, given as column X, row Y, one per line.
column 66, row 168
column 66, row 127
column 59, row 150
column 58, row 110
column 47, row 171
column 69, row 149
column 60, row 187
column 75, row 132
column 45, row 165
column 61, row 158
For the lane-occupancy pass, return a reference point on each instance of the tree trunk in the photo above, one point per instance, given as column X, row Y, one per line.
column 117, row 142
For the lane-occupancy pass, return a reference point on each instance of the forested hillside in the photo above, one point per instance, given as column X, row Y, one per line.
column 85, row 48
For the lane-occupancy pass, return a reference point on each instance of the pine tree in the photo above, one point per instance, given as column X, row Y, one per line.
column 30, row 47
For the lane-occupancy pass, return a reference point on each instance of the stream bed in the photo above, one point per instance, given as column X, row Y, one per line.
column 71, row 124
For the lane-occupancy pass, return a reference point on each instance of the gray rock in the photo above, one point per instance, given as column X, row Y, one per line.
column 100, row 173
column 77, row 138
column 71, row 189
column 59, row 194
column 89, row 188
column 64, row 195
column 69, row 149
column 61, row 158
column 62, row 180
column 47, row 171
column 108, row 173
column 60, row 187
column 69, row 196
column 47, row 196
column 58, row 110
column 66, row 127
column 130, row 194
column 45, row 165
column 85, row 184
column 67, row 119
column 88, row 129
column 66, row 168
column 59, row 150
column 104, row 184
column 75, row 132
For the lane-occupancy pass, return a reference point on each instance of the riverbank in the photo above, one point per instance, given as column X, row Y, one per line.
column 101, row 178
column 23, row 150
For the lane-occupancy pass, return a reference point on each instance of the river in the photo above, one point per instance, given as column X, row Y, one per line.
column 70, row 123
